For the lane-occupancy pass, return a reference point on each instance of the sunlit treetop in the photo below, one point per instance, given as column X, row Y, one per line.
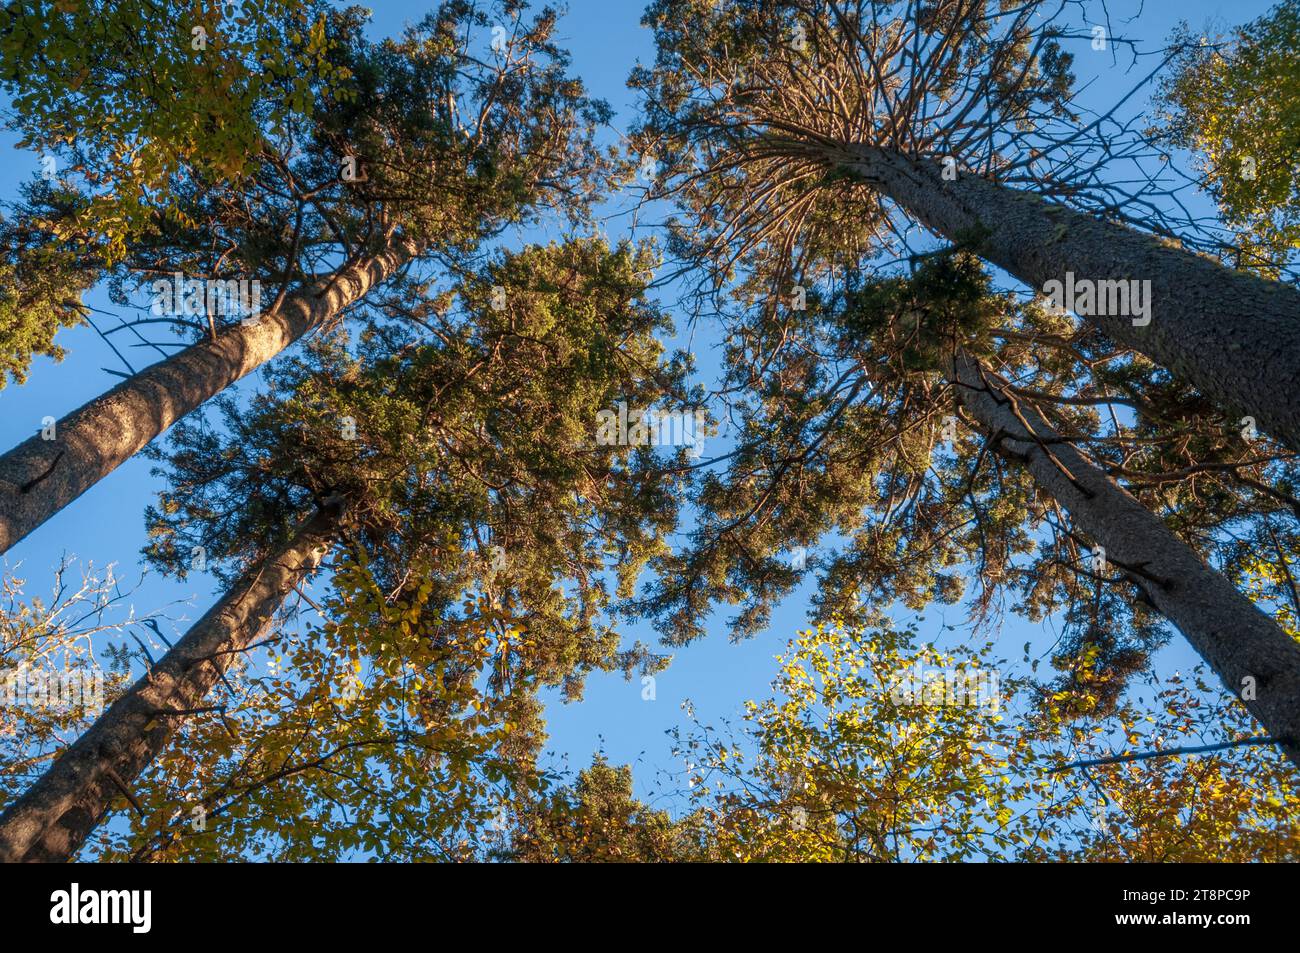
column 875, row 746
column 434, row 138
column 130, row 95
column 1236, row 103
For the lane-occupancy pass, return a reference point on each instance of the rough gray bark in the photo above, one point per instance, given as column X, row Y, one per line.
column 1241, row 644
column 39, row 477
column 51, row 820
column 1232, row 335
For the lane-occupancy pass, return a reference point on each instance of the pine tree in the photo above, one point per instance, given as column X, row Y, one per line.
column 415, row 149
column 453, row 459
column 824, row 132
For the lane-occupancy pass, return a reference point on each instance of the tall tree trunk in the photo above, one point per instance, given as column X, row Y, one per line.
column 1246, row 648
column 39, row 477
column 1232, row 335
column 56, row 814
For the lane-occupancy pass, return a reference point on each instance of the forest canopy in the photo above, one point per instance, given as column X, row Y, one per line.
column 388, row 392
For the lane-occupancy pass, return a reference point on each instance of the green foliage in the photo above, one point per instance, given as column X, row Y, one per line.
column 1236, row 104
column 850, row 765
column 41, row 287
column 853, row 446
column 130, row 96
column 474, row 435
column 597, row 820
column 483, row 523
column 853, row 430
column 945, row 303
column 481, row 518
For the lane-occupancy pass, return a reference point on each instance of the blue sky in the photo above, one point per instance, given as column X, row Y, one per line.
column 606, row 40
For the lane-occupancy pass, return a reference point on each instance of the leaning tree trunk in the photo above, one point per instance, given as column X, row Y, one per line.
column 1232, row 335
column 1242, row 645
column 39, row 477
column 56, row 814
